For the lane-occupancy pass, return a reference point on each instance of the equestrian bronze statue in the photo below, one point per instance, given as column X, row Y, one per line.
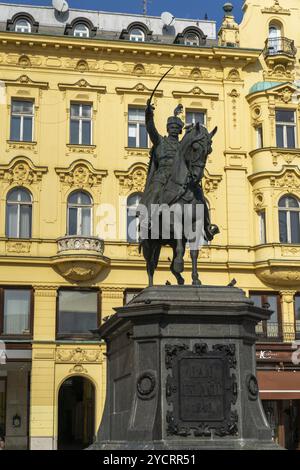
column 173, row 182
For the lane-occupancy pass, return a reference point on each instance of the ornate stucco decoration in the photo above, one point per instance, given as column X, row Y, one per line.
column 133, row 180
column 288, row 179
column 78, row 369
column 280, row 276
column 81, row 174
column 195, row 92
column 79, row 355
column 18, row 247
column 21, row 171
column 82, row 84
column 277, row 9
column 287, row 154
column 258, row 201
column 233, row 75
column 24, row 80
column 139, row 89
column 279, row 72
column 210, row 182
column 78, row 268
column 109, row 292
column 290, row 251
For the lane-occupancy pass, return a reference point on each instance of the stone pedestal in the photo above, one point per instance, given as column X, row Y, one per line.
column 181, row 372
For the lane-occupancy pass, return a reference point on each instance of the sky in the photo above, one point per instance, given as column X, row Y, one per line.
column 179, row 8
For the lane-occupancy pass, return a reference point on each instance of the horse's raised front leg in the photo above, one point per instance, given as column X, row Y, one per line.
column 195, row 275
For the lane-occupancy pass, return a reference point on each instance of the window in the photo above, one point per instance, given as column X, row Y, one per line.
column 269, row 329
column 22, row 26
column 262, row 226
column 81, row 124
column 80, row 214
column 137, row 34
column 297, row 315
column 191, row 39
column 274, row 41
column 2, row 405
column 81, row 31
column 17, row 306
column 285, row 128
column 18, row 213
column 77, row 312
column 132, row 220
column 195, row 116
column 21, row 128
column 289, row 220
column 137, row 133
column 259, row 137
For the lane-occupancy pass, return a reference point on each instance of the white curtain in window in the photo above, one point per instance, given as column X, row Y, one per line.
column 16, row 311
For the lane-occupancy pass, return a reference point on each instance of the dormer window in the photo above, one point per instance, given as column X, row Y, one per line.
column 22, row 23
column 137, row 34
column 22, row 26
column 191, row 39
column 81, row 31
column 81, row 28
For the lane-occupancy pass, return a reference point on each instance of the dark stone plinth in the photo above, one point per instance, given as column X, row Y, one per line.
column 181, row 372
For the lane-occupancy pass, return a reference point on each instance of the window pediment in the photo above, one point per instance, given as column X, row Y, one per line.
column 140, row 89
column 21, row 171
column 80, row 174
column 82, row 85
column 132, row 180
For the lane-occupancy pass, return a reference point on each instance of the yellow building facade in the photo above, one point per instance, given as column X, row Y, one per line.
column 72, row 147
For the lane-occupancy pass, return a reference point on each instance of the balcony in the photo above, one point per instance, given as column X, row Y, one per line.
column 279, row 50
column 276, row 333
column 80, row 258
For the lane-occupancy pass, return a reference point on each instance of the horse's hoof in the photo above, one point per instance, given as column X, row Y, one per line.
column 178, row 266
column 197, row 282
column 181, row 281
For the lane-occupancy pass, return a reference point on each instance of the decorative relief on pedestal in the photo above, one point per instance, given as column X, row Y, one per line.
column 200, row 406
column 146, row 385
column 133, row 180
column 252, row 387
column 276, row 9
column 20, row 171
column 79, row 355
column 18, row 247
column 81, row 174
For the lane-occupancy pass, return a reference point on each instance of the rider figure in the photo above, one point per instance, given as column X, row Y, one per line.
column 163, row 153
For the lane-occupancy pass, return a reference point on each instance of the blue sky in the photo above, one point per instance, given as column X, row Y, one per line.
column 179, row 8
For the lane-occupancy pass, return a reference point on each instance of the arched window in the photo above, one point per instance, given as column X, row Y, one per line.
column 80, row 214
column 191, row 39
column 18, row 213
column 132, row 221
column 22, row 26
column 275, row 34
column 81, row 31
column 289, row 220
column 137, row 34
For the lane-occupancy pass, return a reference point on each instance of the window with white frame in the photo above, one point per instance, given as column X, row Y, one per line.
column 80, row 214
column 192, row 117
column 289, row 219
column 137, row 34
column 137, row 133
column 191, row 39
column 22, row 26
column 132, row 221
column 18, row 213
column 81, row 31
column 22, row 118
column 262, row 226
column 259, row 137
column 16, row 311
column 81, row 124
column 285, row 128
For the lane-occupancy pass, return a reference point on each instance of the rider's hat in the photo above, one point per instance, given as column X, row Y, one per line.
column 175, row 120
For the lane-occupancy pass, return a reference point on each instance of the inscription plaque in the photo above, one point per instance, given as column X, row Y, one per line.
column 201, row 390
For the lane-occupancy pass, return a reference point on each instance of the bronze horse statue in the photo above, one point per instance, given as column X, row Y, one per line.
column 183, row 188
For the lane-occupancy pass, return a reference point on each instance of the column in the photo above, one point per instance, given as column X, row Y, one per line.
column 287, row 314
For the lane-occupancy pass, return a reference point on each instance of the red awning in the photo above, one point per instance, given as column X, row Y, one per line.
column 279, row 385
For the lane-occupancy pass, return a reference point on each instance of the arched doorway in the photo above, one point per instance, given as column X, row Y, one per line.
column 76, row 413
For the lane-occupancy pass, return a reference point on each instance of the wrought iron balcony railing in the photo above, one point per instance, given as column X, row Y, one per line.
column 279, row 46
column 275, row 332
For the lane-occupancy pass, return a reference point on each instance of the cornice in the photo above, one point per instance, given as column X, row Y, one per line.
column 82, row 84
column 104, row 46
column 196, row 91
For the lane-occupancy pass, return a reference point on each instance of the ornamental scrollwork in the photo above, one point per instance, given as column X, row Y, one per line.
column 22, row 171
column 133, row 180
column 81, row 174
column 79, row 355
